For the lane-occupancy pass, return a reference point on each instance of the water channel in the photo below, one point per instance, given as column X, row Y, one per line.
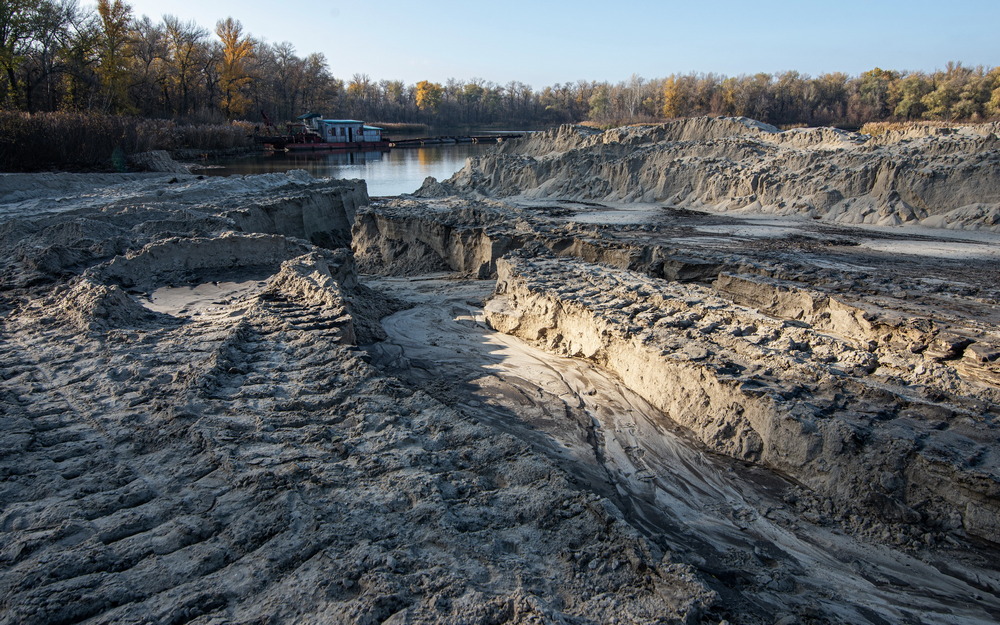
column 388, row 172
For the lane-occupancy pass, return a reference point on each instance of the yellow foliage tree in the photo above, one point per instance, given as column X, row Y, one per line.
column 114, row 42
column 674, row 101
column 237, row 50
column 429, row 95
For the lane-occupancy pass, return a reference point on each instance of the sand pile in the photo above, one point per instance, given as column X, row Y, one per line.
column 940, row 177
column 174, row 457
column 861, row 364
column 592, row 412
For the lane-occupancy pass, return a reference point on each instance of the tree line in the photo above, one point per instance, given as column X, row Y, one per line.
column 57, row 56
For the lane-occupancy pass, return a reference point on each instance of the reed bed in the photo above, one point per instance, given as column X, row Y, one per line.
column 880, row 128
column 89, row 142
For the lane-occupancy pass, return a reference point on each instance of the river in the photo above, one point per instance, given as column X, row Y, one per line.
column 388, row 172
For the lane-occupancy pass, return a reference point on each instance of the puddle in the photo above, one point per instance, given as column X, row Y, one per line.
column 206, row 299
column 954, row 250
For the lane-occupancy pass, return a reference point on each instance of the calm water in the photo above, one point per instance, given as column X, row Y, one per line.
column 392, row 172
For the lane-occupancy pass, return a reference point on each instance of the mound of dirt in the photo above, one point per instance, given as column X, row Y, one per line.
column 589, row 412
column 937, row 177
column 231, row 457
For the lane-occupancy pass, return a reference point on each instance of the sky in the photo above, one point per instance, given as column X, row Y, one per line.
column 543, row 43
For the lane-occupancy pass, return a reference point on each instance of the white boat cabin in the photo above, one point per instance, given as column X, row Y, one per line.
column 342, row 130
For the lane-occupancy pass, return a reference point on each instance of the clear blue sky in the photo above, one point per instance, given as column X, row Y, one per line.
column 542, row 43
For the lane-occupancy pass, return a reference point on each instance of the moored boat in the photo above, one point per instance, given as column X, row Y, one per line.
column 312, row 132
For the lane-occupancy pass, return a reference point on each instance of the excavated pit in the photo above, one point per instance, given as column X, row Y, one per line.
column 528, row 396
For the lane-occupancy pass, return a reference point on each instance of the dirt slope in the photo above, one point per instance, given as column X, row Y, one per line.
column 936, row 177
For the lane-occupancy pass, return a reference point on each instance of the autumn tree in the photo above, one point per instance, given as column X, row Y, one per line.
column 115, row 54
column 237, row 50
column 54, row 55
column 79, row 83
column 675, row 97
column 428, row 95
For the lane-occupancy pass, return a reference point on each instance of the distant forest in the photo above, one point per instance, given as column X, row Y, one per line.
column 56, row 56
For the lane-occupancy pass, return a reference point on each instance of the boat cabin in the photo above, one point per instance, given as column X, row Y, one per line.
column 341, row 130
column 311, row 129
column 347, row 131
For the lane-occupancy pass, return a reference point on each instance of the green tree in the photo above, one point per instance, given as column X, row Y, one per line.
column 828, row 98
column 471, row 99
column 321, row 91
column 51, row 34
column 973, row 96
column 754, row 96
column 910, row 92
column 32, row 34
column 600, row 103
column 16, row 34
column 874, row 88
column 789, row 98
column 947, row 89
column 362, row 96
column 992, row 106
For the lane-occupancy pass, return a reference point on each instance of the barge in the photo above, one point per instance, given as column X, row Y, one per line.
column 312, row 132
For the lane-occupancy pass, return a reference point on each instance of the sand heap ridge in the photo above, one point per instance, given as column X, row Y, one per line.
column 193, row 462
column 940, row 177
column 860, row 363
